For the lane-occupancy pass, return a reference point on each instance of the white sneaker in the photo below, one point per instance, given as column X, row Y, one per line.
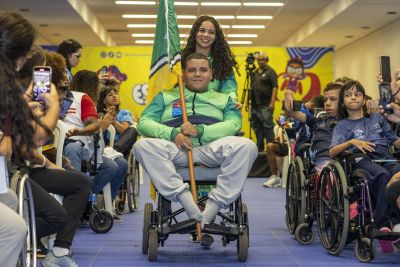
column 273, row 182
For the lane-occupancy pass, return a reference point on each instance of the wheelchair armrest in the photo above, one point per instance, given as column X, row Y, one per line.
column 304, row 148
column 350, row 156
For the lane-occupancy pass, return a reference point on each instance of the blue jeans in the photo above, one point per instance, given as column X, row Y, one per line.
column 110, row 171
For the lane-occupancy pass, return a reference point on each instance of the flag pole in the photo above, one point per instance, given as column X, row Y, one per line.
column 189, row 153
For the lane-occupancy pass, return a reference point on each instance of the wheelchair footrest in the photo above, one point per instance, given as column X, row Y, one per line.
column 376, row 234
column 181, row 227
column 216, row 229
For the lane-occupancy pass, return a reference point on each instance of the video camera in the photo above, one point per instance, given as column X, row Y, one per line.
column 251, row 58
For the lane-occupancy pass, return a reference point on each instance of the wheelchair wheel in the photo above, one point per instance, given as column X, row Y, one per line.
column 365, row 250
column 101, row 221
column 333, row 211
column 121, row 199
column 153, row 245
column 243, row 245
column 304, row 234
column 148, row 210
column 21, row 186
column 133, row 184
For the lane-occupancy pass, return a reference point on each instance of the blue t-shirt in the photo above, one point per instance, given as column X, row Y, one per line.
column 323, row 130
column 122, row 116
column 303, row 131
column 374, row 128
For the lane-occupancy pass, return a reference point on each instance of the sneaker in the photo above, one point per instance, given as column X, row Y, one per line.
column 41, row 250
column 116, row 219
column 386, row 245
column 273, row 182
column 65, row 261
column 193, row 238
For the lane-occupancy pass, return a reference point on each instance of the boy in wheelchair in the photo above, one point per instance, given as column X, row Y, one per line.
column 371, row 135
column 210, row 135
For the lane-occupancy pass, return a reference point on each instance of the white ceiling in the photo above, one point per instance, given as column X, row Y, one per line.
column 297, row 23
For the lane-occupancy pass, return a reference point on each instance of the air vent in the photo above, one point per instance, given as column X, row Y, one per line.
column 117, row 30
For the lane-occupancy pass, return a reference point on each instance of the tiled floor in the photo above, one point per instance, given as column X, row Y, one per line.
column 270, row 243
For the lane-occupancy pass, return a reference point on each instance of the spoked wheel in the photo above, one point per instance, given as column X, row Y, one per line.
column 133, row 184
column 333, row 211
column 153, row 245
column 148, row 209
column 365, row 250
column 101, row 221
column 243, row 245
column 304, row 234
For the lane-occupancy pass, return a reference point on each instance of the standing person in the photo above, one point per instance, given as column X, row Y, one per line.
column 207, row 38
column 71, row 50
column 263, row 95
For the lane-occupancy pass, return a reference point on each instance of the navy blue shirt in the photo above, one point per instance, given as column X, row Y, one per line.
column 323, row 131
column 374, row 128
column 303, row 131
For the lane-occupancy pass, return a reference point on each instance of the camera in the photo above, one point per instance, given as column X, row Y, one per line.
column 250, row 58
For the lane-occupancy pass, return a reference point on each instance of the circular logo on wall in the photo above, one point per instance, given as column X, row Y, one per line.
column 111, row 54
column 139, row 93
column 118, row 54
column 103, row 54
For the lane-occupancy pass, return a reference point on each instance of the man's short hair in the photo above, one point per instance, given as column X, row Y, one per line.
column 332, row 86
column 194, row 56
column 318, row 101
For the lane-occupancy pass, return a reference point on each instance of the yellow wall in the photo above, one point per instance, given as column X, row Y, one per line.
column 135, row 63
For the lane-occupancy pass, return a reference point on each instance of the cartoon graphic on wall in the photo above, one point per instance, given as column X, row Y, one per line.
column 113, row 72
column 139, row 93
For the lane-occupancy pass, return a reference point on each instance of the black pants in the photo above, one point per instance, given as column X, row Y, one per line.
column 263, row 125
column 126, row 141
column 51, row 217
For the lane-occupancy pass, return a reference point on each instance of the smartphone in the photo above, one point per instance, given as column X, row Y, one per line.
column 65, row 105
column 281, row 119
column 41, row 81
column 385, row 96
column 104, row 70
column 385, row 69
column 296, row 105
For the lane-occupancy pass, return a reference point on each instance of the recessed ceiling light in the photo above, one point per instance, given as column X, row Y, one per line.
column 186, row 16
column 135, row 2
column 221, row 4
column 233, row 35
column 240, row 42
column 262, row 4
column 141, row 25
column 138, row 16
column 144, row 42
column 391, row 13
column 182, row 35
column 248, row 26
column 222, row 17
column 254, row 17
column 186, row 3
column 189, row 26
column 349, row 36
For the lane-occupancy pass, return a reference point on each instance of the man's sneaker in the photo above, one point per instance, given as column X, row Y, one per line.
column 65, row 261
column 386, row 245
column 41, row 250
column 116, row 219
column 273, row 182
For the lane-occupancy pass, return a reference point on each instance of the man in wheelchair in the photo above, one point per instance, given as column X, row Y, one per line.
column 210, row 134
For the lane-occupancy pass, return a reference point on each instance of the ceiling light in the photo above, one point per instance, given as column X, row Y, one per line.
column 141, row 25
column 254, row 17
column 186, row 16
column 135, row 2
column 262, row 4
column 240, row 42
column 144, row 42
column 248, row 27
column 223, row 17
column 186, row 3
column 182, row 35
column 233, row 35
column 132, row 16
column 189, row 26
column 221, row 4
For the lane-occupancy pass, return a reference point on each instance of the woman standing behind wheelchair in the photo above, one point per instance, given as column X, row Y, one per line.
column 371, row 135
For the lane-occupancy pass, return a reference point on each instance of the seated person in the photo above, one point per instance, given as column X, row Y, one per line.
column 82, row 121
column 371, row 135
column 121, row 119
column 210, row 135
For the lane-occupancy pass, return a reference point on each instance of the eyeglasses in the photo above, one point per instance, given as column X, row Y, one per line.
column 77, row 55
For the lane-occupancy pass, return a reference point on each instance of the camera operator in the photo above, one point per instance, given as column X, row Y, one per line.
column 263, row 95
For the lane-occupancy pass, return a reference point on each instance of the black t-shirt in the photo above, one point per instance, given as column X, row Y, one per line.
column 262, row 85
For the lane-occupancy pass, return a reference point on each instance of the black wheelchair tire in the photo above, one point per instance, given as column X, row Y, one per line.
column 148, row 210
column 101, row 221
column 365, row 250
column 152, row 245
column 243, row 245
column 304, row 234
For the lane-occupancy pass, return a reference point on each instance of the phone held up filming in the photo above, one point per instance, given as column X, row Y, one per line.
column 385, row 91
column 41, row 82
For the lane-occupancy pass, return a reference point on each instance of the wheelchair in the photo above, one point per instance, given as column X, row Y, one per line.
column 20, row 184
column 341, row 184
column 301, row 197
column 160, row 223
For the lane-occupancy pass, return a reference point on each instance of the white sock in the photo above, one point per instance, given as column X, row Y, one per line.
column 60, row 252
column 191, row 208
column 210, row 211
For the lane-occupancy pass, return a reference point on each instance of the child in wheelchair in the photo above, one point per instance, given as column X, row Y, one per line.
column 371, row 135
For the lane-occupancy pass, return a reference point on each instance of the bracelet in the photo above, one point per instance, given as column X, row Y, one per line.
column 41, row 165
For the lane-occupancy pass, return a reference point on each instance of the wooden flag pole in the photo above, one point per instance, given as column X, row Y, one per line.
column 189, row 153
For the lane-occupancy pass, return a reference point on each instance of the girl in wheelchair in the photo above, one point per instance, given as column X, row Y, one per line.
column 371, row 135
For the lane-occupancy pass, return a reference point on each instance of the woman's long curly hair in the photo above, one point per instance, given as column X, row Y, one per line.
column 86, row 81
column 16, row 38
column 104, row 91
column 223, row 59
